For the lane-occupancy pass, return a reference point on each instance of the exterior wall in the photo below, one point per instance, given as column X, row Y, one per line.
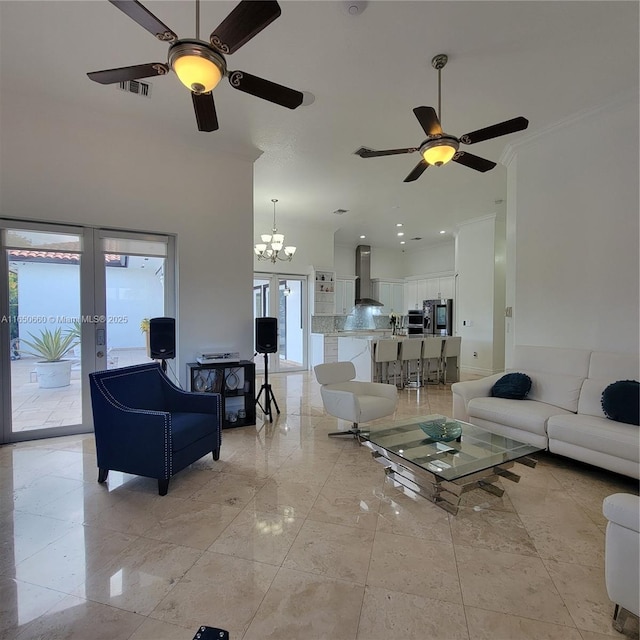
column 573, row 252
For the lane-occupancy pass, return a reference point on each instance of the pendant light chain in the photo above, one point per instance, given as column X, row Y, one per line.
column 274, row 214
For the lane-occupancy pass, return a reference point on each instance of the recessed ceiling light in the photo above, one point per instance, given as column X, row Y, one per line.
column 362, row 237
column 400, row 233
column 443, row 232
column 398, row 224
column 402, row 242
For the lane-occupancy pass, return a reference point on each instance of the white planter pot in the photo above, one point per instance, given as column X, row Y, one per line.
column 54, row 374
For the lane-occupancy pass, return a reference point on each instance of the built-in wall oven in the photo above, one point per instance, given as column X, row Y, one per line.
column 415, row 324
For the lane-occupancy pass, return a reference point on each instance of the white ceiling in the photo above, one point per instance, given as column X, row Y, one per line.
column 542, row 60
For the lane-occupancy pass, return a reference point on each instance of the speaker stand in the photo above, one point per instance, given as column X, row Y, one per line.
column 164, row 365
column 268, row 393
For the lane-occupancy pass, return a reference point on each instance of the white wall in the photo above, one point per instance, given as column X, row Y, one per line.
column 344, row 260
column 574, row 247
column 475, row 266
column 434, row 258
column 76, row 167
column 392, row 263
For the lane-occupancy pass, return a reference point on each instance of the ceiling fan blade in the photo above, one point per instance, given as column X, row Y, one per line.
column 428, row 120
column 473, row 162
column 363, row 152
column 248, row 19
column 205, row 109
column 140, row 14
column 418, row 170
column 265, row 89
column 495, row 131
column 110, row 76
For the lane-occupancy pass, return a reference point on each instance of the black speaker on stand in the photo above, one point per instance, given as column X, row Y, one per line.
column 266, row 343
column 162, row 340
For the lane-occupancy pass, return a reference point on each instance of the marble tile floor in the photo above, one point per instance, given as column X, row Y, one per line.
column 296, row 536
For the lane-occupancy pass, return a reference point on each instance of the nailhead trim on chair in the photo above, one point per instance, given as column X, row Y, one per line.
column 168, row 459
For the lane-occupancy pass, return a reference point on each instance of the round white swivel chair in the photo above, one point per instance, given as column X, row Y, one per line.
column 353, row 400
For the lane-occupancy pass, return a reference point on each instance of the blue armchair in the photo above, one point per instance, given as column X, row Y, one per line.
column 147, row 426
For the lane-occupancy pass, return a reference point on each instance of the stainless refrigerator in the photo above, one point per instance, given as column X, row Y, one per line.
column 438, row 317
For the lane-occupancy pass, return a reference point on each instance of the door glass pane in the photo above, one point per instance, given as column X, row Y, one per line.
column 260, row 310
column 290, row 314
column 44, row 302
column 135, row 293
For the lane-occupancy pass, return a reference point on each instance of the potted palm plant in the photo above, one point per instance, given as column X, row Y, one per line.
column 144, row 328
column 51, row 347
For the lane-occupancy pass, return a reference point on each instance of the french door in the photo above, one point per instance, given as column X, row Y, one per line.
column 72, row 300
column 283, row 297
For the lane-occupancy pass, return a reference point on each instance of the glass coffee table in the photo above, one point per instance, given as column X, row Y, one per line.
column 444, row 458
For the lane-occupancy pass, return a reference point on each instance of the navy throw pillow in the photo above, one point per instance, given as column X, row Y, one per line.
column 515, row 386
column 621, row 401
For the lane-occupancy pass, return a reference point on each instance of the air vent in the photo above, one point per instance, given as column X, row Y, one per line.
column 340, row 212
column 138, row 88
column 416, row 238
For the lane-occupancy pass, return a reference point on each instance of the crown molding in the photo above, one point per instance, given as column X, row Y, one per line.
column 621, row 98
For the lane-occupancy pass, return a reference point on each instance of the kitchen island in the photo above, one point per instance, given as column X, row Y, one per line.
column 359, row 348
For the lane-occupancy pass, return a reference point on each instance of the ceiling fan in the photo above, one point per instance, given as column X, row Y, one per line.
column 201, row 65
column 439, row 147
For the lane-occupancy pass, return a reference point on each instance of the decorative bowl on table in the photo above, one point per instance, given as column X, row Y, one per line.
column 441, row 429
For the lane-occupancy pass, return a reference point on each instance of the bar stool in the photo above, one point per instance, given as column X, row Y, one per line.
column 432, row 358
column 410, row 351
column 386, row 352
column 450, row 350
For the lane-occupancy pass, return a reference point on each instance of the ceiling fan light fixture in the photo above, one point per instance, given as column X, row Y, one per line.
column 439, row 151
column 197, row 65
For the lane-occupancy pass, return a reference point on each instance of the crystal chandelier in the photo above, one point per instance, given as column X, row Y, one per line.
column 272, row 246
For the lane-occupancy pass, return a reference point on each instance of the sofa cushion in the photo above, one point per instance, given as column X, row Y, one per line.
column 598, row 434
column 514, row 385
column 561, row 360
column 555, row 388
column 520, row 414
column 187, row 428
column 621, row 401
column 609, row 365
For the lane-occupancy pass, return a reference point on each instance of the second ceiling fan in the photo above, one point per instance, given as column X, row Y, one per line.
column 440, row 147
column 201, row 65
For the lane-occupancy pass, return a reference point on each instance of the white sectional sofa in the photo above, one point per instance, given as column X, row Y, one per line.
column 562, row 411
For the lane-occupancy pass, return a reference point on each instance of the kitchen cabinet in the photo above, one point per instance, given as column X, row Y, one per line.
column 345, row 294
column 323, row 349
column 391, row 294
column 411, row 295
column 236, row 384
column 323, row 292
column 416, row 291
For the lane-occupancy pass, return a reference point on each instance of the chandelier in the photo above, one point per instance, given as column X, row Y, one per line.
column 272, row 245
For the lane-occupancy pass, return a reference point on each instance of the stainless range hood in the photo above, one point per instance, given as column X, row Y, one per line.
column 363, row 278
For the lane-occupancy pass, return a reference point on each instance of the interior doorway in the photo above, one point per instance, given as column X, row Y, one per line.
column 283, row 297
